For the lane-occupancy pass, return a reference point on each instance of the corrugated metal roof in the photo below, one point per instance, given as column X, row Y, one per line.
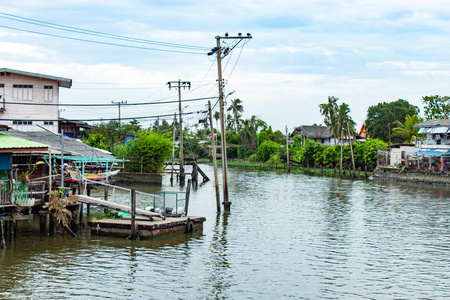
column 71, row 146
column 10, row 142
column 63, row 82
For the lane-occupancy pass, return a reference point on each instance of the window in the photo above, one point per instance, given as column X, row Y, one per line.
column 48, row 93
column 21, row 122
column 48, row 122
column 23, row 91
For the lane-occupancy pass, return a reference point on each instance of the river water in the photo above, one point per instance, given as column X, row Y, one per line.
column 287, row 236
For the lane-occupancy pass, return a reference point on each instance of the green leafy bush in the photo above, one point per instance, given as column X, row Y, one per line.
column 266, row 149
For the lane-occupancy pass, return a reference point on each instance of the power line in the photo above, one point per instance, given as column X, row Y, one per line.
column 109, row 104
column 108, row 119
column 96, row 33
column 101, row 43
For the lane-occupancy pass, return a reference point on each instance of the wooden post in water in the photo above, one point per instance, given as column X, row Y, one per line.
column 287, row 151
column 88, row 206
column 214, row 154
column 188, row 191
column 133, row 235
column 106, row 196
column 194, row 173
column 12, row 231
column 51, row 225
column 2, row 233
column 43, row 223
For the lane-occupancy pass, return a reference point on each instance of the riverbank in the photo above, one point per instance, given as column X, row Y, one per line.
column 403, row 175
column 292, row 168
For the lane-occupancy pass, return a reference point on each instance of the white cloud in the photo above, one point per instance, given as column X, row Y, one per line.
column 25, row 50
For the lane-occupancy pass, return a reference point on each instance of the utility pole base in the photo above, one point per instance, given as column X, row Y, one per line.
column 226, row 205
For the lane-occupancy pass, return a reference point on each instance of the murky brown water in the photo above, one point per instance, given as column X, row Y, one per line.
column 287, row 236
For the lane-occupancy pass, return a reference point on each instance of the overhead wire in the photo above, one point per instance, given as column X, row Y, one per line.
column 102, row 43
column 96, row 33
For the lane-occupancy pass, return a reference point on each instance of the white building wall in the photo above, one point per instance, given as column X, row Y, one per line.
column 396, row 154
column 23, row 114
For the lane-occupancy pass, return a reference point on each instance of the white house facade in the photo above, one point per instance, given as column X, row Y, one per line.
column 30, row 101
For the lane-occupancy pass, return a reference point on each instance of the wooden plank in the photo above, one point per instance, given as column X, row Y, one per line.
column 117, row 207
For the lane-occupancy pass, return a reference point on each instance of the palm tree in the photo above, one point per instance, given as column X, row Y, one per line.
column 257, row 123
column 248, row 133
column 345, row 126
column 230, row 121
column 236, row 109
column 329, row 111
column 407, row 130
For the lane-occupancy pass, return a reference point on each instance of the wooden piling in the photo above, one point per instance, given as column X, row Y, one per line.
column 88, row 206
column 194, row 172
column 2, row 233
column 105, row 196
column 43, row 223
column 188, row 192
column 51, row 225
column 133, row 235
column 12, row 231
column 80, row 215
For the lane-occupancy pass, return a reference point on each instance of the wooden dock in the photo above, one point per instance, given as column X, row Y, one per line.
column 117, row 207
column 146, row 228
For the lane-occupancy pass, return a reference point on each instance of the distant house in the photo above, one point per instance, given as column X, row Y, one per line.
column 437, row 132
column 30, row 101
column 74, row 129
column 319, row 134
column 429, row 154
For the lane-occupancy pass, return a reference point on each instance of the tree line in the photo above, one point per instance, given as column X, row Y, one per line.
column 253, row 139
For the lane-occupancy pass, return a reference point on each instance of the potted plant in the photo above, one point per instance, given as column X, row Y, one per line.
column 54, row 195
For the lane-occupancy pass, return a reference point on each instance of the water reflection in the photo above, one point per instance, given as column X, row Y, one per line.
column 287, row 236
column 219, row 277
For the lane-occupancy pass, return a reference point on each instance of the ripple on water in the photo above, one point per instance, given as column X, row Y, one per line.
column 287, row 236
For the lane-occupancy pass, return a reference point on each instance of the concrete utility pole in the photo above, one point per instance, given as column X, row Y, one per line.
column 213, row 143
column 118, row 104
column 180, row 84
column 218, row 50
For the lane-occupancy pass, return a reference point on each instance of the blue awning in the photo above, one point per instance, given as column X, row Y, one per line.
column 440, row 129
column 431, row 152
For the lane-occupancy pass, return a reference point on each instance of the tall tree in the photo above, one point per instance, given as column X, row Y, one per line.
column 381, row 115
column 406, row 130
column 345, row 126
column 236, row 109
column 436, row 107
column 329, row 110
column 247, row 133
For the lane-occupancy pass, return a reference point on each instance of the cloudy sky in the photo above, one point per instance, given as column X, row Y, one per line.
column 363, row 52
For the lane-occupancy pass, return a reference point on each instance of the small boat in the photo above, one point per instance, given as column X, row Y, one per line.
column 100, row 176
column 69, row 175
column 76, row 176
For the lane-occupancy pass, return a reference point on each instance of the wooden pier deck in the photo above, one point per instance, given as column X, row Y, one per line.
column 146, row 228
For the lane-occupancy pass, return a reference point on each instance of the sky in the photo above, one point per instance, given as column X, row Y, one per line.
column 301, row 52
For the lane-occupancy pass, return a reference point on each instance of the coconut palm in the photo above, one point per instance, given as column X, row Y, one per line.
column 247, row 133
column 344, row 126
column 407, row 130
column 257, row 123
column 236, row 109
column 329, row 111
